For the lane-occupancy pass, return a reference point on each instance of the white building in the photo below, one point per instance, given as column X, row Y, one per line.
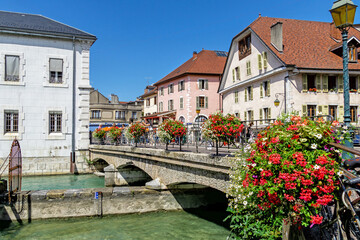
column 295, row 61
column 44, row 93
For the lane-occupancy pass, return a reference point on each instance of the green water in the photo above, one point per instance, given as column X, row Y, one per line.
column 62, row 182
column 146, row 226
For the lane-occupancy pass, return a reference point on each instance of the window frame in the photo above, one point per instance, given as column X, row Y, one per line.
column 56, row 127
column 5, row 68
column 13, row 128
column 56, row 80
column 244, row 47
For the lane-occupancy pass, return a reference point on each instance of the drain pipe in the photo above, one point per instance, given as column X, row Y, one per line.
column 72, row 164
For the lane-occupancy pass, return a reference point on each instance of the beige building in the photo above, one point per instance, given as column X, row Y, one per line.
column 106, row 112
column 297, row 62
column 150, row 100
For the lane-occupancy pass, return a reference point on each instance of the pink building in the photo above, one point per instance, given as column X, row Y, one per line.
column 191, row 86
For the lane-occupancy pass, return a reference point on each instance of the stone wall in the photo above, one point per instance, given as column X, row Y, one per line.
column 117, row 200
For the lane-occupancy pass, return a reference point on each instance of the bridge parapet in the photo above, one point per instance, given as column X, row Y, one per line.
column 169, row 166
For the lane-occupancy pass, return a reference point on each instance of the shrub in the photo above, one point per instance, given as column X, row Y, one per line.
column 170, row 129
column 135, row 131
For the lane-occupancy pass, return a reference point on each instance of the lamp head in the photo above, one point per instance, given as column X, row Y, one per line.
column 343, row 13
column 276, row 102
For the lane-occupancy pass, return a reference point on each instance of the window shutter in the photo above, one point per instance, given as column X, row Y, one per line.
column 197, row 102
column 268, row 88
column 358, row 84
column 305, row 85
column 261, row 90
column 318, row 83
column 246, row 93
column 261, row 115
column 179, row 86
column 251, row 93
column 198, row 85
column 326, row 110
column 206, row 84
column 325, row 82
column 259, row 62
column 245, row 116
column 252, row 115
column 168, row 105
column 249, row 68
column 304, row 110
column 269, row 113
column 206, row 102
column 341, row 113
column 169, row 89
column 265, row 59
column 320, row 110
column 238, row 72
column 233, row 72
column 340, row 84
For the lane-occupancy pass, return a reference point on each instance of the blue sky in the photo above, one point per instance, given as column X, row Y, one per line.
column 141, row 41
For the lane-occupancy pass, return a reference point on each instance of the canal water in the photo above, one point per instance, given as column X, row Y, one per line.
column 70, row 181
column 147, row 226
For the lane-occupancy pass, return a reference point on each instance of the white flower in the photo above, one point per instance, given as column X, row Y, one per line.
column 245, row 203
column 269, row 163
column 319, row 136
column 253, row 165
column 261, row 169
column 250, row 193
column 316, row 167
column 340, row 173
column 313, row 146
column 345, row 127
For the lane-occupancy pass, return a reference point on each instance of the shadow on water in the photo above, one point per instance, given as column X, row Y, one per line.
column 206, row 203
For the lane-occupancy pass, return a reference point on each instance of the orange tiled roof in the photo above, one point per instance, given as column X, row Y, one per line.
column 204, row 62
column 306, row 43
column 154, row 91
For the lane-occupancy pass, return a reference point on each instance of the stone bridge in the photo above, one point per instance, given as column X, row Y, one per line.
column 169, row 168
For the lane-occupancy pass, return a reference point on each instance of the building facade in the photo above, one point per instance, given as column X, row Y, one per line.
column 150, row 100
column 44, row 94
column 286, row 59
column 191, row 86
column 107, row 112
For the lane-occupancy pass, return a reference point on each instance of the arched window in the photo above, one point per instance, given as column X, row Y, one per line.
column 200, row 119
column 182, row 119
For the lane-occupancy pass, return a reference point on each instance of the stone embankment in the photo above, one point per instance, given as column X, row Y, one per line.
column 105, row 201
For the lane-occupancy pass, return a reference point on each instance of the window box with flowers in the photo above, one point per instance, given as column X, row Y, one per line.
column 312, row 89
column 285, row 176
column 353, row 90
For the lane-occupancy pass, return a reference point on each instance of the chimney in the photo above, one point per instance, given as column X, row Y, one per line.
column 334, row 32
column 194, row 54
column 277, row 36
column 114, row 99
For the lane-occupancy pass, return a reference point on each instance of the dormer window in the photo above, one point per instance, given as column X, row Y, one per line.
column 352, row 53
column 245, row 47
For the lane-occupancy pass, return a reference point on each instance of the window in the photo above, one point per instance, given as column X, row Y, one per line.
column 56, row 70
column 95, row 114
column 155, row 100
column 265, row 113
column 352, row 84
column 55, row 120
column 332, row 84
column 311, row 110
column 249, row 115
column 148, row 102
column 311, row 83
column 170, row 105
column 203, row 84
column 248, row 93
column 182, row 119
column 119, row 114
column 201, row 102
column 265, row 59
column 181, row 103
column 171, row 88
column 236, row 96
column 133, row 115
column 181, row 86
column 248, row 68
column 265, row 89
column 353, row 113
column 200, row 119
column 237, row 70
column 160, row 106
column 237, row 115
column 333, row 111
column 11, row 121
column 12, row 66
column 162, row 91
column 352, row 53
column 244, row 47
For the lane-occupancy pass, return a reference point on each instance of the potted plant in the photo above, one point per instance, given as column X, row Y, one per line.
column 114, row 134
column 170, row 129
column 135, row 131
column 288, row 173
column 99, row 134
